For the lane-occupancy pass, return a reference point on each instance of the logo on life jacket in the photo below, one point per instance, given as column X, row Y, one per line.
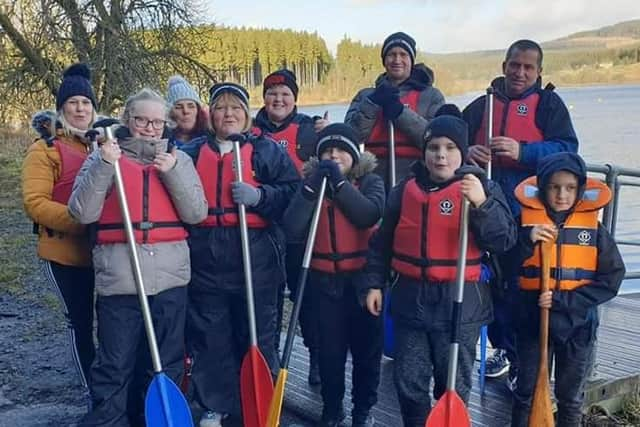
column 446, row 207
column 584, row 237
column 283, row 143
column 522, row 109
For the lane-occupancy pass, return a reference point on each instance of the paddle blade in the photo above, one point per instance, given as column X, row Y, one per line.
column 275, row 408
column 165, row 405
column 256, row 388
column 541, row 408
column 450, row 411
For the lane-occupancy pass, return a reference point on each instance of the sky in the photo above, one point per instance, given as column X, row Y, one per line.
column 439, row 26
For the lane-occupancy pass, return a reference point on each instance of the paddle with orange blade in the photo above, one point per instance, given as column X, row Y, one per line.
column 541, row 408
column 256, row 383
column 275, row 408
column 450, row 411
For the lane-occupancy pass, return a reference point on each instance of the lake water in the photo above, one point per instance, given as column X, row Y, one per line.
column 607, row 121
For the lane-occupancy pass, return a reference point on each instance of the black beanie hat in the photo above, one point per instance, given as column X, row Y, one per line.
column 281, row 77
column 76, row 80
column 402, row 40
column 448, row 122
column 228, row 87
column 341, row 136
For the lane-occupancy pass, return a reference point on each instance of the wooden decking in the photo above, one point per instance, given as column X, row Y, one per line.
column 618, row 355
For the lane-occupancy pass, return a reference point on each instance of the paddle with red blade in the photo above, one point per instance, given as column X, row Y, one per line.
column 450, row 411
column 541, row 414
column 256, row 383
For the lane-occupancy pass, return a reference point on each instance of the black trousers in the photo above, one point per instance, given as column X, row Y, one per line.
column 122, row 370
column 219, row 340
column 74, row 286
column 501, row 331
column 421, row 355
column 572, row 360
column 308, row 324
column 343, row 326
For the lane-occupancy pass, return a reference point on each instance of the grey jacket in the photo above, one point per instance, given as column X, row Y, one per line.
column 362, row 114
column 164, row 265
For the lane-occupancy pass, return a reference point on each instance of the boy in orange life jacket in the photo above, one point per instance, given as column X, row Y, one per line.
column 353, row 205
column 418, row 238
column 562, row 204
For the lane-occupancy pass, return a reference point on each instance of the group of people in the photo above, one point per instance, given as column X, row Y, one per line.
column 377, row 243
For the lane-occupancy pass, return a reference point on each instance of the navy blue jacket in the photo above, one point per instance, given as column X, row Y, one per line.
column 306, row 136
column 425, row 305
column 552, row 118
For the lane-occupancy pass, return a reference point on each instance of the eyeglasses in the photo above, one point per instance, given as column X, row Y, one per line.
column 143, row 123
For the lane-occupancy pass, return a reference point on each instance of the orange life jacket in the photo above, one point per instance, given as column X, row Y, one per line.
column 288, row 139
column 378, row 142
column 217, row 173
column 425, row 241
column 574, row 257
column 153, row 216
column 71, row 161
column 515, row 119
column 340, row 246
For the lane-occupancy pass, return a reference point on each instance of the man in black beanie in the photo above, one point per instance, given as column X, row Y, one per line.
column 404, row 97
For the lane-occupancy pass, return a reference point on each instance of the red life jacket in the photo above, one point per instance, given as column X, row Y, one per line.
column 425, row 241
column 70, row 163
column 378, row 142
column 515, row 118
column 340, row 246
column 288, row 139
column 574, row 257
column 153, row 216
column 217, row 173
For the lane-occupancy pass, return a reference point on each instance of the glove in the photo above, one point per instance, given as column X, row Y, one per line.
column 473, row 170
column 245, row 194
column 312, row 183
column 331, row 170
column 392, row 109
column 384, row 93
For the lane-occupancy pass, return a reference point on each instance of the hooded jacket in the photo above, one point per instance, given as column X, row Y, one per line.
column 361, row 199
column 424, row 305
column 551, row 118
column 164, row 265
column 61, row 238
column 362, row 114
column 574, row 309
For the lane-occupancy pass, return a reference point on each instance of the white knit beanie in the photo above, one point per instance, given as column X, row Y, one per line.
column 178, row 89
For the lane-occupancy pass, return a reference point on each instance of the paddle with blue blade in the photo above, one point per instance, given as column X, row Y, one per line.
column 450, row 411
column 165, row 405
column 256, row 383
column 275, row 408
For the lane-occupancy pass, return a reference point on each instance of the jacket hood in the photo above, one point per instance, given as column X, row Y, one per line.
column 421, row 77
column 42, row 122
column 143, row 150
column 365, row 165
column 263, row 122
column 553, row 163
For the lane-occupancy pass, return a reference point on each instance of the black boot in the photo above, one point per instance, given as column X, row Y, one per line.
column 314, row 368
column 331, row 417
column 362, row 418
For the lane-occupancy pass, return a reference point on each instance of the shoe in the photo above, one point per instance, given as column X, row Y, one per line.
column 212, row 419
column 512, row 380
column 332, row 419
column 314, row 368
column 497, row 365
column 362, row 420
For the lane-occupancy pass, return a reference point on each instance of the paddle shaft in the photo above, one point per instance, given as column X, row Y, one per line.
column 461, row 266
column 392, row 155
column 302, row 280
column 246, row 255
column 135, row 263
column 489, row 135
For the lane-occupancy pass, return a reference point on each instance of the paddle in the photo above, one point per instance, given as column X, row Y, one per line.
column 489, row 135
column 164, row 404
column 541, row 408
column 450, row 411
column 275, row 408
column 256, row 383
column 392, row 155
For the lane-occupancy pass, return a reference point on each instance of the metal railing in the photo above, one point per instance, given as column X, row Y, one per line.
column 617, row 177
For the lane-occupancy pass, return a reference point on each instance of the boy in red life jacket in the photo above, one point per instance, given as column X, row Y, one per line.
column 418, row 238
column 353, row 205
column 562, row 204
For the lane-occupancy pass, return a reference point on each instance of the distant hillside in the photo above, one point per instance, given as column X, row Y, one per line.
column 613, row 36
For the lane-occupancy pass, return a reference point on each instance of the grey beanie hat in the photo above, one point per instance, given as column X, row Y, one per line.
column 178, row 89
